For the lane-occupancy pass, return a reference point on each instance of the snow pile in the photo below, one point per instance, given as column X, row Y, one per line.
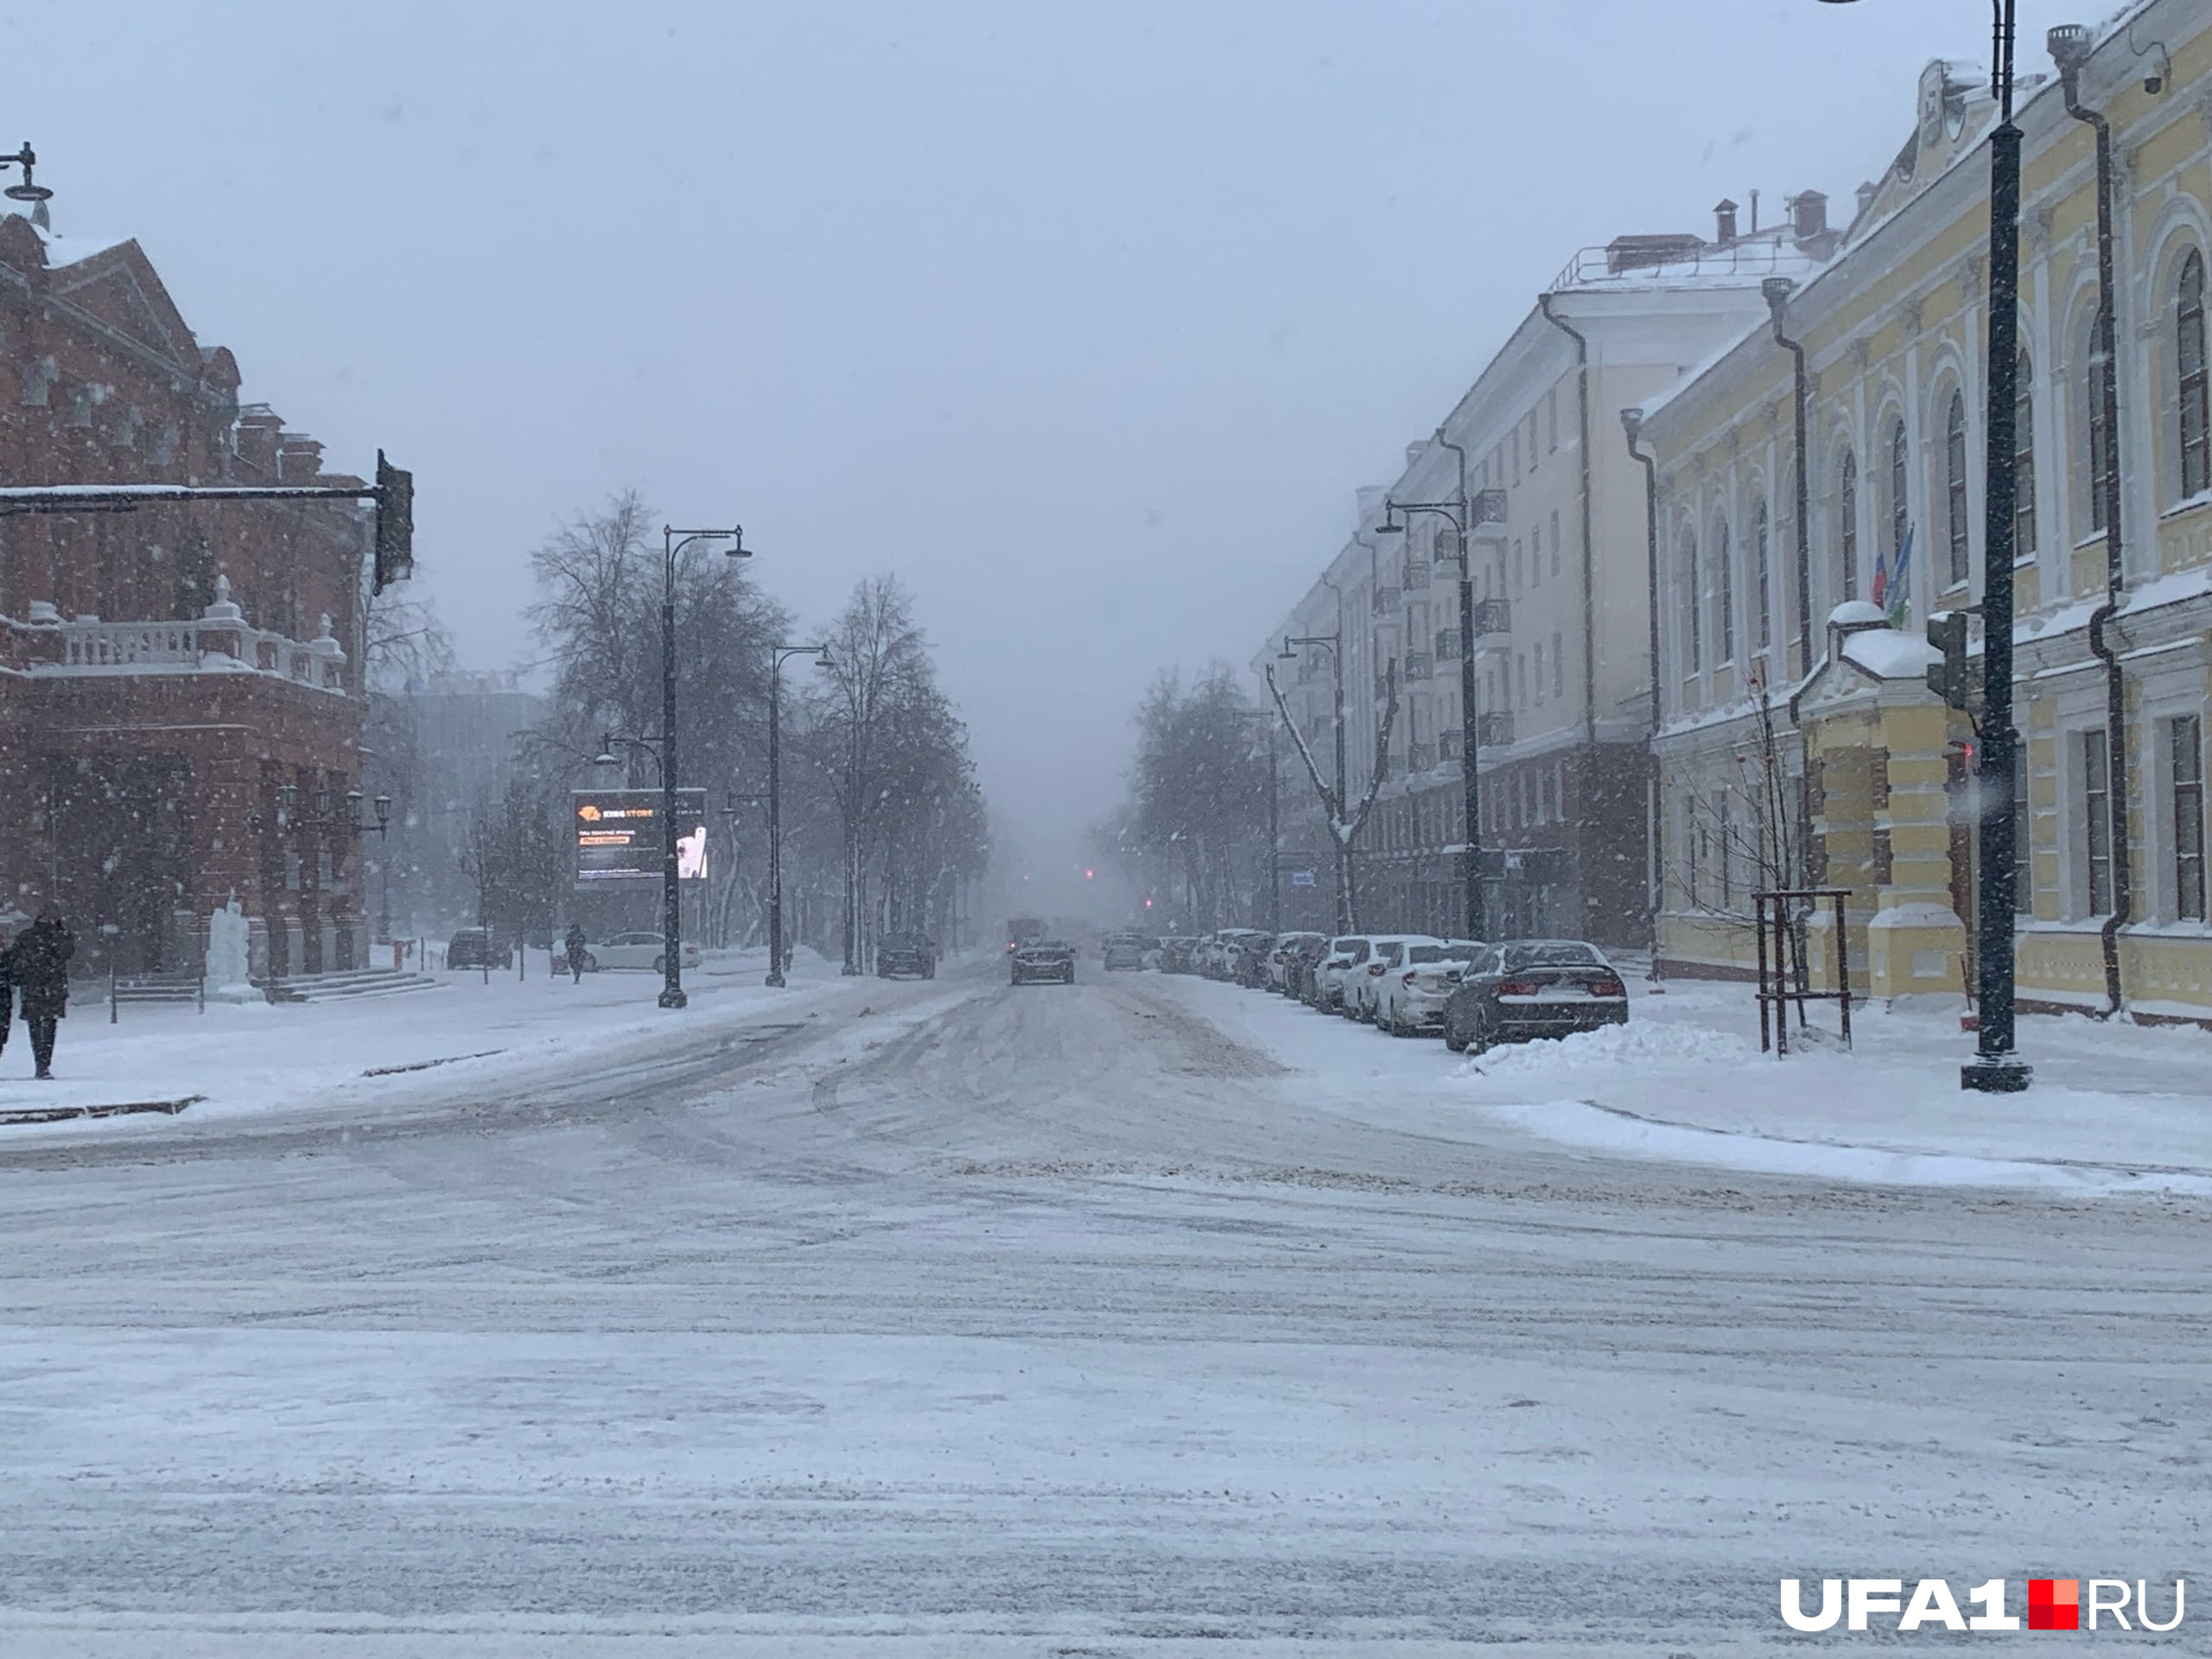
column 1639, row 1043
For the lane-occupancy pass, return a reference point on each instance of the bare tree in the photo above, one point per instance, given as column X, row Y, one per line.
column 1344, row 826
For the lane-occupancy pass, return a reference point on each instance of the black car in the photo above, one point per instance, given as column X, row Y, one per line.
column 1299, row 952
column 1533, row 988
column 477, row 947
column 1175, row 953
column 1044, row 959
column 905, row 953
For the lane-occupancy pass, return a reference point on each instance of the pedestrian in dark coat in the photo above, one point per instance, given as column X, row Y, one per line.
column 7, row 989
column 577, row 950
column 39, row 965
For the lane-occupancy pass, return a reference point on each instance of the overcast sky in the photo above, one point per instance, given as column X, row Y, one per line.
column 1086, row 319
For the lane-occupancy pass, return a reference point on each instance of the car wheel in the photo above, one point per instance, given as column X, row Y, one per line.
column 1481, row 1042
column 660, row 964
column 930, row 972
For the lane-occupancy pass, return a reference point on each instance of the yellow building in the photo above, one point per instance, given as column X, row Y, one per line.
column 1798, row 739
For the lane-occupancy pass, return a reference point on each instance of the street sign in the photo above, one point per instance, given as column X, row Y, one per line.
column 618, row 835
column 1302, row 878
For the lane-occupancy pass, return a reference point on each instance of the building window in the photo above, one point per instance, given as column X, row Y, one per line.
column 2023, row 460
column 1539, row 670
column 2189, row 362
column 2185, row 739
column 1515, row 446
column 2023, row 863
column 1763, row 610
column 1693, row 645
column 1536, row 557
column 1532, row 440
column 1691, row 831
column 1517, row 582
column 2099, row 433
column 1559, row 666
column 1521, row 674
column 1954, row 489
column 1554, row 541
column 1846, row 508
column 2096, row 823
column 1723, row 582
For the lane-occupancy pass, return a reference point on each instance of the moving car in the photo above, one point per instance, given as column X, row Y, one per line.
column 638, row 951
column 1043, row 959
column 1533, row 988
column 1021, row 929
column 475, row 947
column 1124, row 950
column 1346, row 956
column 905, row 953
column 1412, row 994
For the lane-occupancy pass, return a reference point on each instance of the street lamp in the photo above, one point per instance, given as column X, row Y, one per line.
column 822, row 659
column 673, row 541
column 1996, row 1067
column 26, row 190
column 1463, row 512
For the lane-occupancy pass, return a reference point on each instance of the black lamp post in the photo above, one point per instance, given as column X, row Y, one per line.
column 1996, row 1068
column 1463, row 512
column 28, row 189
column 673, row 541
column 776, row 800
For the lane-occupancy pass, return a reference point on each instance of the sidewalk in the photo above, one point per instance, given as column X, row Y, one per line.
column 2113, row 1108
column 254, row 1056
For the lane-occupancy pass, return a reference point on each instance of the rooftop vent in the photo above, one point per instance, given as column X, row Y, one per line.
column 1808, row 214
column 1724, row 222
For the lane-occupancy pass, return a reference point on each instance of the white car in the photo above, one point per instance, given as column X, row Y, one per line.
column 1412, row 994
column 1279, row 958
column 637, row 950
column 1345, row 958
column 1362, row 988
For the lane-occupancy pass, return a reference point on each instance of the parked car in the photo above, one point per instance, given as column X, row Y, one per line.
column 641, row 950
column 1412, row 994
column 905, row 953
column 1175, row 953
column 1249, row 959
column 476, row 947
column 1361, row 987
column 1287, row 947
column 1124, row 950
column 1346, row 956
column 1043, row 959
column 1533, row 988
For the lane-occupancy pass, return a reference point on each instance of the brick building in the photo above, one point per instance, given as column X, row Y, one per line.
column 180, row 684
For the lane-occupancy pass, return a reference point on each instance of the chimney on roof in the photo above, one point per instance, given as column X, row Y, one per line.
column 1808, row 215
column 258, row 432
column 1866, row 193
column 1724, row 216
column 299, row 458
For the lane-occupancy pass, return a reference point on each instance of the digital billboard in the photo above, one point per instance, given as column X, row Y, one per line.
column 619, row 834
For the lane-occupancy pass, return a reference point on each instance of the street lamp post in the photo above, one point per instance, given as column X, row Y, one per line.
column 673, row 541
column 1996, row 1067
column 776, row 800
column 1463, row 512
column 1275, row 823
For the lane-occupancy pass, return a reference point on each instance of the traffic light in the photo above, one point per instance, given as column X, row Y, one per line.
column 394, row 555
column 1948, row 679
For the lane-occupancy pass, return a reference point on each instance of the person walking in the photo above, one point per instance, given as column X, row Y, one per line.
column 38, row 963
column 7, row 991
column 577, row 952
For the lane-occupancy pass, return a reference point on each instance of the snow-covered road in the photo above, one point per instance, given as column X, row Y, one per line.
column 1042, row 1321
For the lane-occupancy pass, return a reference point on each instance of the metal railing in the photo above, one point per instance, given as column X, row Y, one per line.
column 1598, row 267
column 1494, row 731
column 1386, row 601
column 1415, row 665
column 1493, row 616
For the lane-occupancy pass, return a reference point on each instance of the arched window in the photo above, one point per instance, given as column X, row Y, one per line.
column 1847, row 540
column 1954, row 489
column 1900, row 488
column 2024, row 461
column 2189, row 364
column 1762, row 608
column 1693, row 641
column 2099, row 433
column 1724, row 580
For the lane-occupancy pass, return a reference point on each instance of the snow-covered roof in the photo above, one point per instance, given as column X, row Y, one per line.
column 1744, row 262
column 1889, row 655
column 69, row 248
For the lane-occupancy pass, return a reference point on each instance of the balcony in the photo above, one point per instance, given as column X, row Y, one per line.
column 1386, row 601
column 1447, row 644
column 1414, row 572
column 1449, row 742
column 1492, row 617
column 1419, row 757
column 221, row 641
column 1494, row 731
column 1415, row 665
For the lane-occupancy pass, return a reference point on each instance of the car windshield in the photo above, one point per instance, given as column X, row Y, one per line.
column 1550, row 953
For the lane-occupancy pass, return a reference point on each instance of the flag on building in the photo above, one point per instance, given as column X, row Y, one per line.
column 1892, row 586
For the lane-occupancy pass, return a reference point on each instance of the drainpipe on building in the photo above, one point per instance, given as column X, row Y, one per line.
column 2069, row 47
column 1777, row 291
column 1632, row 425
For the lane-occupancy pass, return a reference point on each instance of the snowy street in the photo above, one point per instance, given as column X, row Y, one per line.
column 1142, row 1316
